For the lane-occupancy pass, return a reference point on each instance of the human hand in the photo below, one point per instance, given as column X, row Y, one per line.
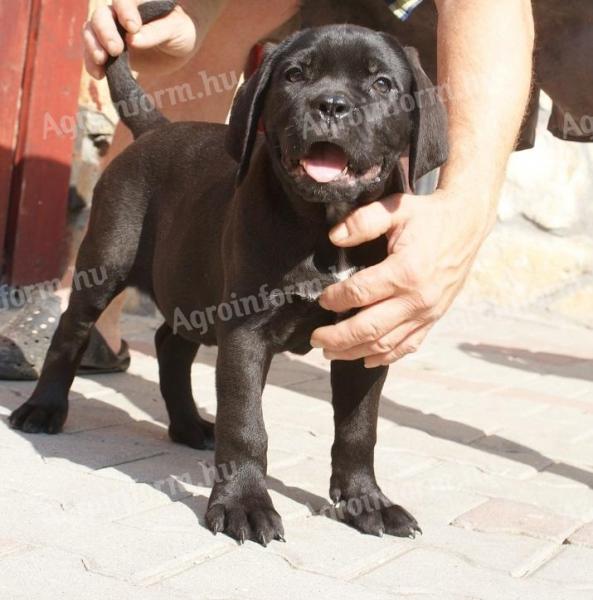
column 432, row 243
column 159, row 47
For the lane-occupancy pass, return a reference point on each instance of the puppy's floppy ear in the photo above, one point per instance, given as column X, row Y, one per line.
column 428, row 146
column 246, row 112
column 248, row 107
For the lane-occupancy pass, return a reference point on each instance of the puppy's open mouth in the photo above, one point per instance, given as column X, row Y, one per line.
column 328, row 163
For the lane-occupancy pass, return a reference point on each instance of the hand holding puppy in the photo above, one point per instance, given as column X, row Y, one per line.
column 432, row 243
column 159, row 47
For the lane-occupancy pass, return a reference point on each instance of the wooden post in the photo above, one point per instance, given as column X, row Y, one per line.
column 15, row 18
column 35, row 244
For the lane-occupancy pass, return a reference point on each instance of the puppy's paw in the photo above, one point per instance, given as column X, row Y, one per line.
column 249, row 516
column 198, row 435
column 39, row 417
column 390, row 520
column 370, row 511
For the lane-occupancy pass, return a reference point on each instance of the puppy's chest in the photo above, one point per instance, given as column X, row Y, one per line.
column 308, row 279
column 296, row 312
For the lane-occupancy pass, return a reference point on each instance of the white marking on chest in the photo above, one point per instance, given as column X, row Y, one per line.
column 344, row 270
column 312, row 290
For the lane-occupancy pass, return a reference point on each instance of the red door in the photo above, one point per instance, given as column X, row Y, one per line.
column 39, row 81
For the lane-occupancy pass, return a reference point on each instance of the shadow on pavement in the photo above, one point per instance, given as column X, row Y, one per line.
column 100, row 435
column 543, row 363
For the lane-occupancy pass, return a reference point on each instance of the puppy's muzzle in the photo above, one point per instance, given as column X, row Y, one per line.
column 332, row 107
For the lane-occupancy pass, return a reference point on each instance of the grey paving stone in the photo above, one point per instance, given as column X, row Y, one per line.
column 300, row 442
column 394, row 463
column 486, row 459
column 506, row 516
column 50, row 574
column 325, row 545
column 318, row 389
column 500, row 552
column 572, row 568
column 576, row 382
column 96, row 449
column 574, row 501
column 113, row 509
column 437, row 572
column 306, row 482
column 544, row 438
column 257, row 573
column 433, row 508
column 12, row 546
column 489, row 413
column 39, row 521
column 430, row 397
column 141, row 555
column 31, row 521
column 432, row 424
column 185, row 468
column 500, row 445
column 583, row 537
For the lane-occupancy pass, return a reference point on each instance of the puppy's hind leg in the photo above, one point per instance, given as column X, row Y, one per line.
column 176, row 355
column 47, row 409
column 102, row 270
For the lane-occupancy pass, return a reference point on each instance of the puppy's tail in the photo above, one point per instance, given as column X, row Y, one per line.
column 135, row 108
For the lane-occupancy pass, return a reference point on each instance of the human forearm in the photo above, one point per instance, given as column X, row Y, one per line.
column 485, row 50
column 485, row 63
column 204, row 14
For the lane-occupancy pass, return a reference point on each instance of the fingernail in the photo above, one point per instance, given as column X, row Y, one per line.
column 113, row 47
column 316, row 344
column 339, row 233
column 132, row 25
column 98, row 57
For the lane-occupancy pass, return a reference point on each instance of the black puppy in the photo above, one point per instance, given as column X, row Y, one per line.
column 175, row 216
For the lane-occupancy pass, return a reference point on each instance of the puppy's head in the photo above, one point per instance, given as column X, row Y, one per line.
column 339, row 106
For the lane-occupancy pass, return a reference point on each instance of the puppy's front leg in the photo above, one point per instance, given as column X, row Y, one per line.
column 356, row 392
column 240, row 504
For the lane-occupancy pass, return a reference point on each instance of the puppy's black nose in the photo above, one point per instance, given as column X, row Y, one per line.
column 332, row 106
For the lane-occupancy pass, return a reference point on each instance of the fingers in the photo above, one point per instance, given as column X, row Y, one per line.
column 408, row 346
column 364, row 288
column 101, row 37
column 95, row 55
column 175, row 34
column 367, row 223
column 177, row 31
column 105, row 30
column 385, row 345
column 365, row 327
column 128, row 15
column 155, row 33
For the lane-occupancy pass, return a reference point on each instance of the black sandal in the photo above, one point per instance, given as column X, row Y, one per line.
column 100, row 359
column 25, row 339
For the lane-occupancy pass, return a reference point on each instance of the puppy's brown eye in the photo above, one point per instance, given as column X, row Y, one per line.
column 294, row 75
column 382, row 85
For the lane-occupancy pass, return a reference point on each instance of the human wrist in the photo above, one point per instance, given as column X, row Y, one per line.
column 473, row 207
column 475, row 190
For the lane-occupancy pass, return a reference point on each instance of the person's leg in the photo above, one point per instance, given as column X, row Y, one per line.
column 109, row 323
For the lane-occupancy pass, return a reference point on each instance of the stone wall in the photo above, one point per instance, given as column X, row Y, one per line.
column 539, row 257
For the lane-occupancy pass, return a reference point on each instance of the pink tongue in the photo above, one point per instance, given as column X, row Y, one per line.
column 325, row 163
